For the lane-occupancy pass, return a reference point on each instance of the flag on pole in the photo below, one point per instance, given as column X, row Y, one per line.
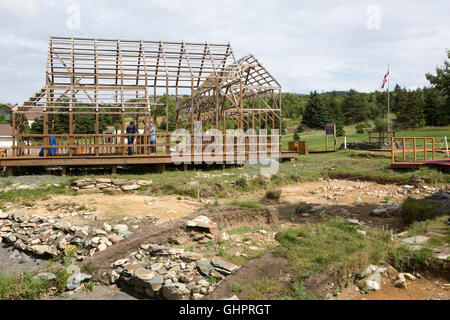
column 385, row 79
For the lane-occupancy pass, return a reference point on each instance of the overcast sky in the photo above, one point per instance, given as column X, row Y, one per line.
column 306, row 45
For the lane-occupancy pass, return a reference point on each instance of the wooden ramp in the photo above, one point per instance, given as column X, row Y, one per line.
column 437, row 163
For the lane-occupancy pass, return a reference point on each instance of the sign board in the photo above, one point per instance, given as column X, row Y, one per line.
column 330, row 129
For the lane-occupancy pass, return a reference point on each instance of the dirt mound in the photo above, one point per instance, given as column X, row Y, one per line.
column 266, row 267
column 160, row 233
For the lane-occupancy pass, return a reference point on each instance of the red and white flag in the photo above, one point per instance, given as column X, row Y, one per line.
column 385, row 79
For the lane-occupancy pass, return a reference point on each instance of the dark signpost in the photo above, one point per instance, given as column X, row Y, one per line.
column 330, row 130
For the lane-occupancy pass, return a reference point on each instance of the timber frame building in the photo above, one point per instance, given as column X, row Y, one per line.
column 133, row 79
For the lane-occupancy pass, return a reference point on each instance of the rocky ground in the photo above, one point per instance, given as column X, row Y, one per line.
column 207, row 257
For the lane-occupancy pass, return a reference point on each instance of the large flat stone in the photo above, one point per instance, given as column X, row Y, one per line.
column 416, row 240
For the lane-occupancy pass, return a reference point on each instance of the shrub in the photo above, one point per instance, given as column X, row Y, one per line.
column 413, row 210
column 259, row 181
column 241, row 182
column 296, row 137
column 360, row 129
column 16, row 287
column 245, row 204
column 235, row 287
column 273, row 195
column 380, row 124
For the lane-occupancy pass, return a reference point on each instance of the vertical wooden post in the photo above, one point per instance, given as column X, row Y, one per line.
column 434, row 151
column 404, row 150
column 392, row 150
column 10, row 171
column 425, row 148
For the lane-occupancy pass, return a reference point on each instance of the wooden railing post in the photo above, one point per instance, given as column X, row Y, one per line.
column 434, row 151
column 393, row 150
column 404, row 149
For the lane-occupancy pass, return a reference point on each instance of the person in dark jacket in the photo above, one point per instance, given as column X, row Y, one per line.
column 131, row 129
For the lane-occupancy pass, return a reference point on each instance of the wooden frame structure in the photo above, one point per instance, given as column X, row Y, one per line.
column 133, row 79
column 381, row 136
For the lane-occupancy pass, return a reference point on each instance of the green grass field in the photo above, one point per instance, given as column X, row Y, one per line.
column 316, row 138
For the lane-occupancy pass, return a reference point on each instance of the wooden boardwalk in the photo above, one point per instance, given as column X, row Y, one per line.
column 112, row 161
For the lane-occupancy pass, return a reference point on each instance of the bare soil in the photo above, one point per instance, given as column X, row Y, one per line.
column 107, row 207
column 265, row 267
column 420, row 289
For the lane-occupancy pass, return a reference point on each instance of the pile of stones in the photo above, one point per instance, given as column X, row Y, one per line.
column 386, row 210
column 372, row 277
column 96, row 185
column 370, row 145
column 171, row 273
column 48, row 237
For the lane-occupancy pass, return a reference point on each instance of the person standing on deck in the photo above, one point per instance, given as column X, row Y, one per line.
column 146, row 137
column 131, row 129
column 152, row 137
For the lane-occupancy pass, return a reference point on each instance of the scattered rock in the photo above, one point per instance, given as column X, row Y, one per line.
column 120, row 228
column 400, row 281
column 41, row 250
column 385, row 210
column 46, row 276
column 3, row 215
column 416, row 240
column 409, row 276
column 223, row 265
column 130, row 187
column 202, row 222
column 175, row 291
column 75, row 280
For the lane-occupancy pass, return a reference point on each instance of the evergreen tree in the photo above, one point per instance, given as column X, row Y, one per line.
column 441, row 83
column 315, row 115
column 410, row 110
column 354, row 107
column 433, row 103
column 334, row 113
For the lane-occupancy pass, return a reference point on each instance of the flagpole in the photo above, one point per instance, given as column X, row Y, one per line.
column 389, row 115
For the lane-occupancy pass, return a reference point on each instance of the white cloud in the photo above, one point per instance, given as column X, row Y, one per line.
column 26, row 9
column 307, row 45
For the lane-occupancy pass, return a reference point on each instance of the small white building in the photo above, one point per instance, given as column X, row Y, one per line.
column 6, row 138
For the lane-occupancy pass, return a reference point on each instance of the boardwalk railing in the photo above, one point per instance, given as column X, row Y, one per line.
column 381, row 136
column 97, row 145
column 413, row 149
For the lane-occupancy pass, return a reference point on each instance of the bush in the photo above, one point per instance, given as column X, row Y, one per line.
column 380, row 124
column 273, row 195
column 413, row 210
column 360, row 128
column 296, row 137
column 259, row 181
column 16, row 287
column 300, row 128
column 250, row 204
column 340, row 132
column 241, row 182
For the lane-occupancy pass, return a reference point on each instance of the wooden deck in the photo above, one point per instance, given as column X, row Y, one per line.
column 11, row 163
column 438, row 163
